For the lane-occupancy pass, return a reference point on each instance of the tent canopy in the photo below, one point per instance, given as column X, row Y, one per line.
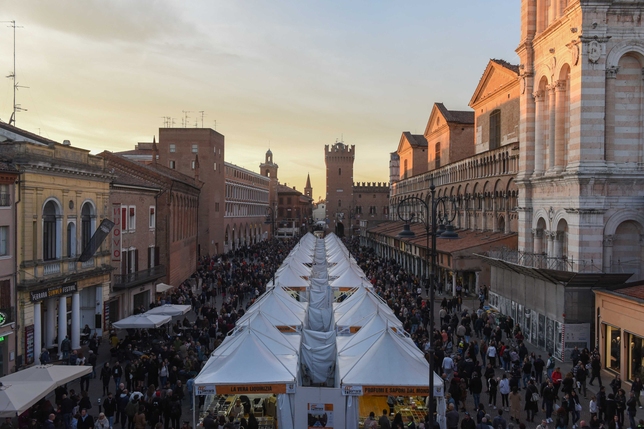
column 142, row 321
column 162, row 287
column 170, row 310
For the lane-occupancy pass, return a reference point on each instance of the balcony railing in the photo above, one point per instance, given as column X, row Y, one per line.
column 8, row 314
column 543, row 261
column 124, row 281
column 50, row 268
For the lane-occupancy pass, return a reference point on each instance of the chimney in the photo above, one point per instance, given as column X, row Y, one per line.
column 154, row 150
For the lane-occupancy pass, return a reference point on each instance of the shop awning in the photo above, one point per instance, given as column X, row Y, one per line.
column 162, row 287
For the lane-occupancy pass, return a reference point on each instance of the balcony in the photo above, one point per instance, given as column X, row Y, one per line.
column 126, row 281
column 9, row 316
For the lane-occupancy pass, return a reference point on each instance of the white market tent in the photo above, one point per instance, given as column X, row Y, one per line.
column 23, row 389
column 172, row 310
column 162, row 287
column 142, row 321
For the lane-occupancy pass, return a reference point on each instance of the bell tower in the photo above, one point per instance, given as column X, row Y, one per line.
column 308, row 191
column 269, row 169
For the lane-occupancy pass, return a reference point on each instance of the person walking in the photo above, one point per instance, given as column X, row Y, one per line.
column 531, row 401
column 631, row 409
column 515, row 405
column 504, row 388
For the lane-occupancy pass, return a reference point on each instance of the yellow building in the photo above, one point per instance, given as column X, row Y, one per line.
column 62, row 196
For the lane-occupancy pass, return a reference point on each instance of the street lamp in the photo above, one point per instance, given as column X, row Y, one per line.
column 407, row 212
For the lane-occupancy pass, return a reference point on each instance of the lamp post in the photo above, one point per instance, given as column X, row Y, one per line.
column 406, row 212
column 270, row 219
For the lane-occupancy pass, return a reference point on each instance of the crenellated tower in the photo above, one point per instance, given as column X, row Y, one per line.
column 339, row 160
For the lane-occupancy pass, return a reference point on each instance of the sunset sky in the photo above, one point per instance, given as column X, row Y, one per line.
column 289, row 75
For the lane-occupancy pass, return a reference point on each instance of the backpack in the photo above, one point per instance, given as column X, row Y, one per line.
column 551, row 363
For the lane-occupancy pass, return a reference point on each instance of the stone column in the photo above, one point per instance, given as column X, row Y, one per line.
column 477, row 284
column 537, row 240
column 62, row 323
column 37, row 331
column 609, row 130
column 551, row 244
column 608, row 253
column 552, row 104
column 539, row 138
column 75, row 321
column 453, row 283
column 560, row 124
column 50, row 325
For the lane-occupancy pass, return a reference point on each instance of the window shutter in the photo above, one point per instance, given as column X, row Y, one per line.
column 5, row 294
column 124, row 219
column 136, row 260
column 150, row 257
column 124, row 262
column 156, row 256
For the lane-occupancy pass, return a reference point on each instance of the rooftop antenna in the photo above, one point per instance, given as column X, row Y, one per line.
column 16, row 107
column 203, row 113
column 185, row 118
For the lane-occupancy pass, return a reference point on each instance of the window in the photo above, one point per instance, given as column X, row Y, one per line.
column 288, row 200
column 192, row 165
column 152, row 219
column 153, row 256
column 216, row 207
column 172, row 165
column 495, row 129
column 613, row 347
column 4, row 240
column 71, row 239
column 50, row 232
column 5, row 196
column 339, row 203
column 131, row 220
column 123, row 218
column 635, row 354
column 358, row 209
column 86, row 224
column 339, row 172
column 173, row 148
column 437, row 155
column 5, row 294
column 214, row 166
column 372, row 210
column 195, row 148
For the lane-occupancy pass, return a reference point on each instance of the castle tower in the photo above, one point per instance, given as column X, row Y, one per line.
column 308, row 191
column 339, row 160
column 269, row 169
column 580, row 173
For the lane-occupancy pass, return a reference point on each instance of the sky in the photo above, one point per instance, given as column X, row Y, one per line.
column 292, row 76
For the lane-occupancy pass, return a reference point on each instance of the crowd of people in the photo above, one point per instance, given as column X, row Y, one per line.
column 481, row 355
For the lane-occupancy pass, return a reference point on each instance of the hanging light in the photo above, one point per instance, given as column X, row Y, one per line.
column 406, row 232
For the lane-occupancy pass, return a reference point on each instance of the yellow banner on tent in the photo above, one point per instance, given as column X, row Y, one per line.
column 223, row 389
column 395, row 390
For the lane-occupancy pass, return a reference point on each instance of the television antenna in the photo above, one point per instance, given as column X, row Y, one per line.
column 185, row 118
column 12, row 75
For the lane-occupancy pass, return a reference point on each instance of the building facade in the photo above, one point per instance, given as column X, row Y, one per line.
column 8, row 307
column 185, row 149
column 62, row 197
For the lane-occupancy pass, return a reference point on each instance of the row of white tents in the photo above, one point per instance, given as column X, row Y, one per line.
column 300, row 335
column 154, row 318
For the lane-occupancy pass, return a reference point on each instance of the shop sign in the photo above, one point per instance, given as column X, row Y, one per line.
column 29, row 344
column 116, row 233
column 352, row 391
column 253, row 389
column 290, row 388
column 396, row 390
column 54, row 291
column 320, row 415
column 208, row 389
column 106, row 313
column 3, row 318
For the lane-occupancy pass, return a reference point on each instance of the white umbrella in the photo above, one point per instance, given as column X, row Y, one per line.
column 170, row 310
column 48, row 374
column 18, row 396
column 142, row 321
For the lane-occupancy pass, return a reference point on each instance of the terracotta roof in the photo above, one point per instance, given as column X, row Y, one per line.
column 507, row 65
column 632, row 292
column 467, row 239
column 415, row 139
column 283, row 189
column 458, row 116
column 125, row 178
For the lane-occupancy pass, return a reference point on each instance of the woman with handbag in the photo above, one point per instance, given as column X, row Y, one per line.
column 574, row 407
column 531, row 401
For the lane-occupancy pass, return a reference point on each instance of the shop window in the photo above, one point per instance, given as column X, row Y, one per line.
column 636, row 353
column 613, row 349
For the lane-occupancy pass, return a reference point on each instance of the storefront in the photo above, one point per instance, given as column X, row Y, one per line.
column 620, row 317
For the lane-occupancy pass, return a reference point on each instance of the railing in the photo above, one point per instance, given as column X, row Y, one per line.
column 71, row 266
column 543, row 261
column 123, row 281
column 88, row 264
column 51, row 268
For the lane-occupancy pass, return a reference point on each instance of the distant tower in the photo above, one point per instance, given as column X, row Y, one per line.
column 269, row 169
column 308, row 191
column 339, row 181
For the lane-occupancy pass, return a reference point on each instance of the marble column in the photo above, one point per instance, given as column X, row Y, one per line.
column 539, row 138
column 453, row 283
column 62, row 323
column 560, row 124
column 37, row 331
column 75, row 321
column 551, row 123
column 609, row 125
column 50, row 325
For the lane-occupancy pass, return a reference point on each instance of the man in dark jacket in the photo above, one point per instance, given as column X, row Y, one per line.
column 86, row 421
column 66, row 407
column 468, row 422
column 109, row 407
